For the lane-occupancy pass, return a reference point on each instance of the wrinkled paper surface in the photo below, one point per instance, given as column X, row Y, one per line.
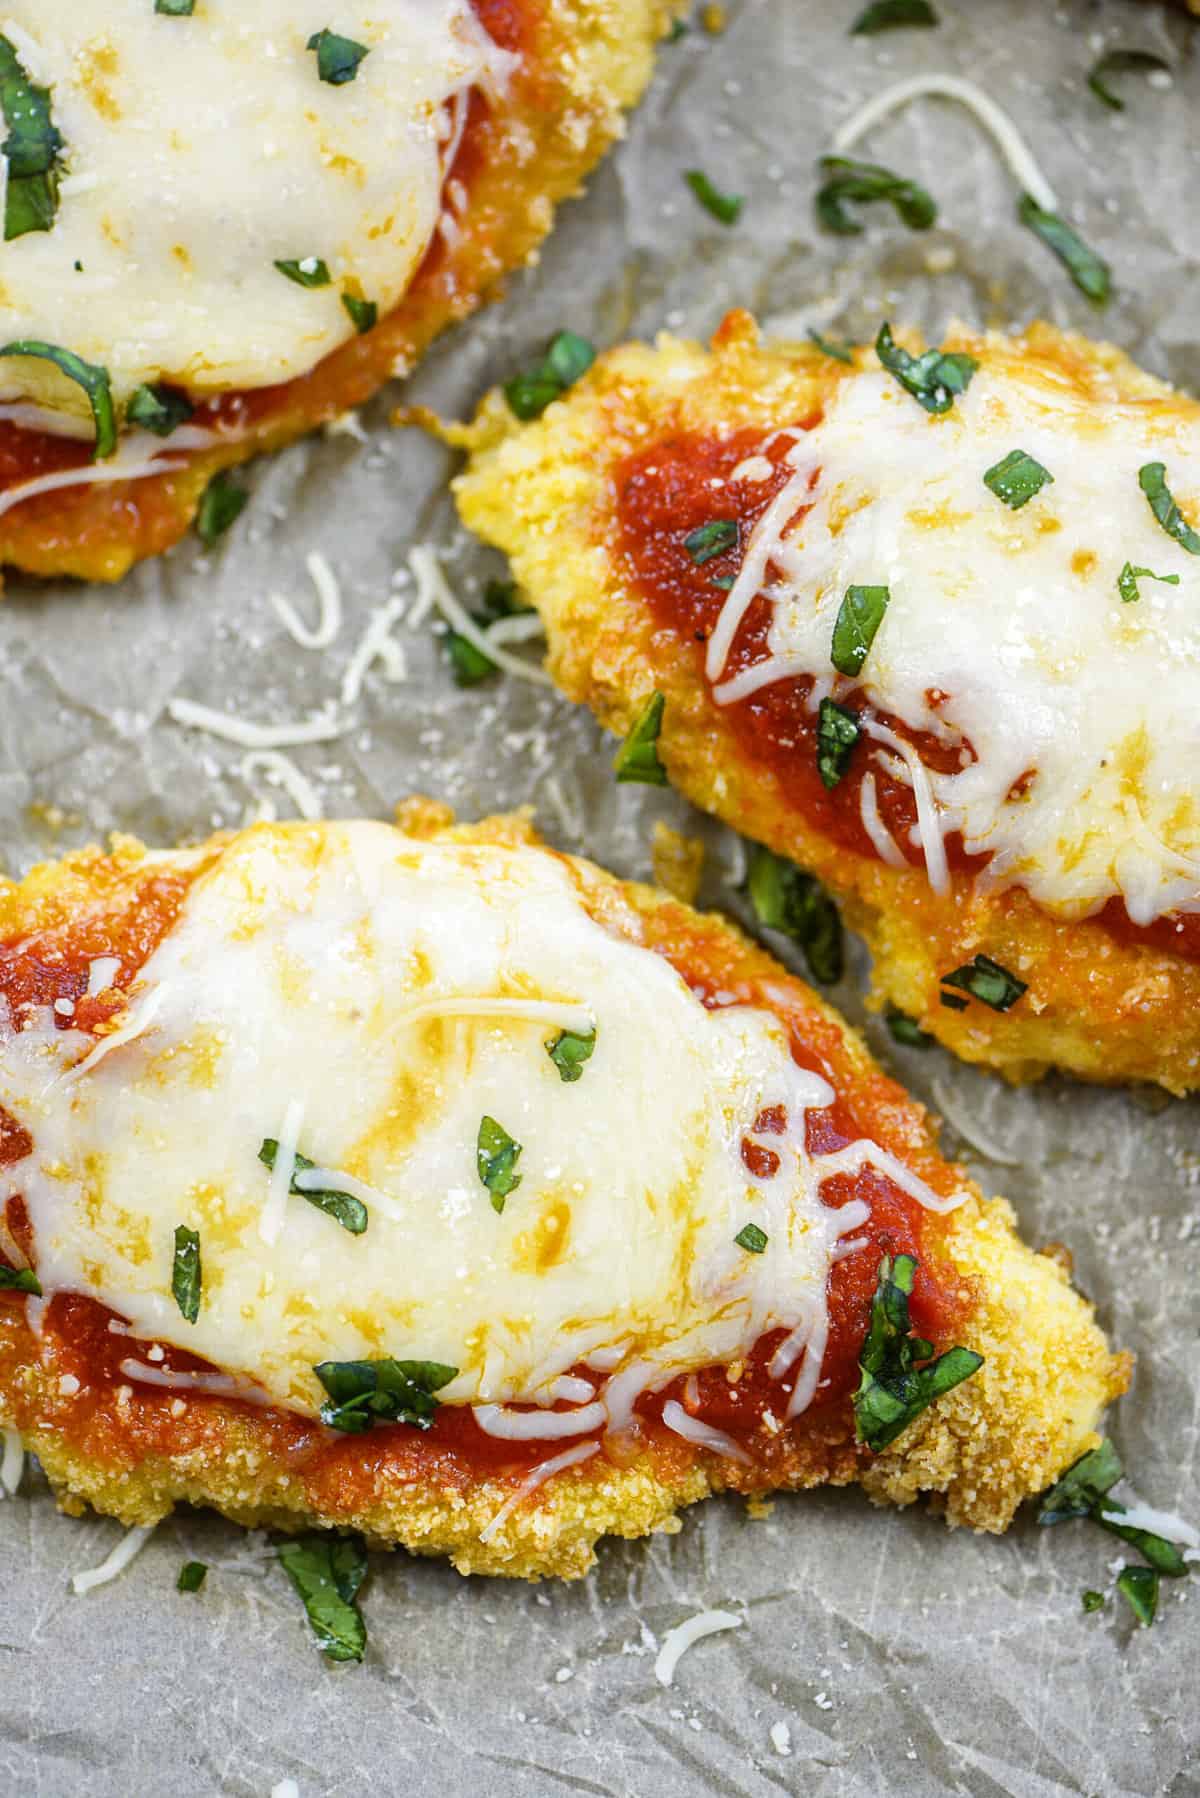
column 902, row 1658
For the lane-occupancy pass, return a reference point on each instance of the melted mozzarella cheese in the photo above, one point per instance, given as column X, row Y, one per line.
column 200, row 150
column 366, row 1000
column 1014, row 617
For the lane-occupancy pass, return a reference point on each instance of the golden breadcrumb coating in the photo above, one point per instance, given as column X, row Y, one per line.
column 545, row 493
column 999, row 1437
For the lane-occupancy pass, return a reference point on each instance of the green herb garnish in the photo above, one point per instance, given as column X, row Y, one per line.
column 31, row 149
column 1093, row 1601
column 186, row 1273
column 308, row 271
column 158, row 409
column 838, row 731
column 175, row 9
column 893, row 1391
column 327, row 1571
column 1139, row 1587
column 906, row 1030
column 887, row 15
column 863, row 183
column 785, row 898
column 1152, row 479
column 337, row 57
column 752, row 1239
column 859, row 618
column 191, row 1576
column 1127, row 581
column 496, row 1157
column 840, row 352
column 1090, row 273
column 1119, row 62
column 220, row 503
column 934, row 379
column 637, row 758
column 1078, row 1491
column 567, row 358
column 1162, row 1555
column 1016, row 478
column 953, row 1001
column 88, row 375
column 986, row 981
column 711, row 539
column 727, row 208
column 363, row 1393
column 569, row 1050
column 19, row 1279
column 349, row 1212
column 363, row 314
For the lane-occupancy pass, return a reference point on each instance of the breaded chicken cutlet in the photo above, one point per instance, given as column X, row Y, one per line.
column 429, row 1182
column 228, row 230
column 926, row 622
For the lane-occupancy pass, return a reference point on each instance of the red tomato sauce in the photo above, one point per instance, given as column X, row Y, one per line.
column 682, row 482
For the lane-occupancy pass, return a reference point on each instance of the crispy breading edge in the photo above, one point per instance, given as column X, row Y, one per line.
column 993, row 1441
column 595, row 59
column 544, row 493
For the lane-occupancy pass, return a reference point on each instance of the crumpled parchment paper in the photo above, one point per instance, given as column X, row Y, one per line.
column 901, row 1658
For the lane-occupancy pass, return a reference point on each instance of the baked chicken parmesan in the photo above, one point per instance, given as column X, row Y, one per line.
column 229, row 221
column 433, row 1183
column 926, row 622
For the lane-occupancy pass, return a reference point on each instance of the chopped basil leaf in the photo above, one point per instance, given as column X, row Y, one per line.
column 841, row 352
column 326, row 1572
column 1152, row 479
column 158, row 409
column 752, row 1239
column 952, row 1001
column 175, row 9
column 906, row 1030
column 31, row 149
column 711, row 539
column 1139, row 1587
column 886, row 15
column 1079, row 1490
column 785, row 898
column 892, row 1391
column 723, row 581
column 679, row 28
column 363, row 314
column 19, row 1279
column 727, row 208
column 569, row 1050
column 385, row 1391
column 88, row 375
column 337, row 57
column 1093, row 1601
column 1016, row 478
column 863, row 183
column 934, row 379
column 186, row 1273
column 1090, row 273
column 859, row 617
column 637, row 758
column 837, row 733
column 191, row 1576
column 1162, row 1555
column 1119, row 62
column 988, row 982
column 567, row 358
column 308, row 271
column 1127, row 581
column 496, row 1157
column 349, row 1212
column 220, row 503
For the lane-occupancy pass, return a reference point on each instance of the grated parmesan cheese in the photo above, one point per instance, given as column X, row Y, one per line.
column 130, row 1545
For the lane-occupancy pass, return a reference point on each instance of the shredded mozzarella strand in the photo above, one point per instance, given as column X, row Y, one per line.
column 91, row 474
column 431, row 581
column 970, row 1131
column 677, row 1641
column 529, row 1426
column 333, row 1179
column 1005, row 135
column 377, row 645
column 885, row 845
column 752, row 573
column 1169, row 1524
column 286, row 1788
column 522, row 627
column 131, row 1544
column 329, row 602
column 929, row 822
column 222, row 1385
column 102, row 971
column 12, row 1463
column 567, row 1015
column 270, row 1219
column 702, row 1434
column 281, row 771
column 253, row 736
column 865, row 1153
column 139, row 1019
column 537, row 1476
